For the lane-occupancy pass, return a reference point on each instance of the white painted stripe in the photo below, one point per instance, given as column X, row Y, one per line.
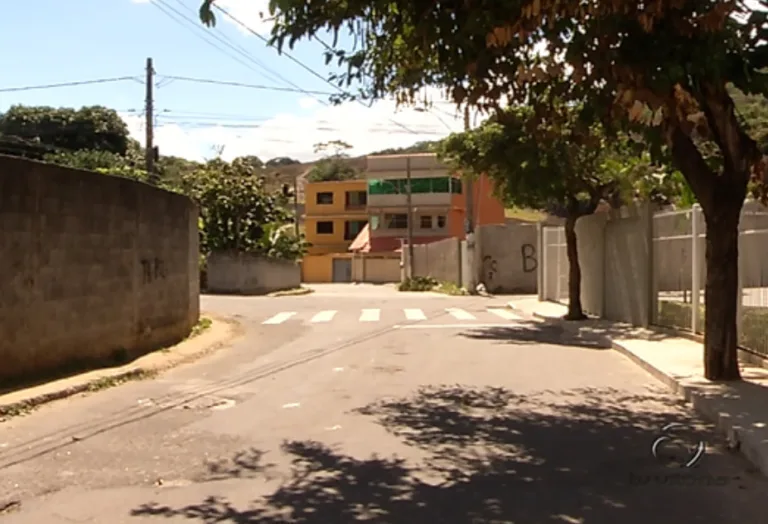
column 460, row 314
column 324, row 316
column 415, row 314
column 370, row 315
column 280, row 317
column 504, row 313
column 451, row 326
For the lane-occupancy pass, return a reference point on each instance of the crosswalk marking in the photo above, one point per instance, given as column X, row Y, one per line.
column 504, row 313
column 415, row 314
column 412, row 315
column 280, row 317
column 324, row 316
column 460, row 314
column 370, row 315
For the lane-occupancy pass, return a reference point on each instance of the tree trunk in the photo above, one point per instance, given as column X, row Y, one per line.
column 575, row 311
column 721, row 195
column 721, row 293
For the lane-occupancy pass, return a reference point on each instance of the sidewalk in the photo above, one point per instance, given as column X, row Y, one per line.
column 221, row 331
column 739, row 410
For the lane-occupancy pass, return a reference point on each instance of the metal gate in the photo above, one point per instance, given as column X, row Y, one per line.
column 555, row 264
column 342, row 270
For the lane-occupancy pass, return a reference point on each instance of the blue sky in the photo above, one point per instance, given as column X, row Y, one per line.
column 94, row 39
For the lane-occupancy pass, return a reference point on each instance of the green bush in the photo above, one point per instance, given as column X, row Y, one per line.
column 754, row 323
column 418, row 284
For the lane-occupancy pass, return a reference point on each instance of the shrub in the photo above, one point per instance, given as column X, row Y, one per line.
column 418, row 284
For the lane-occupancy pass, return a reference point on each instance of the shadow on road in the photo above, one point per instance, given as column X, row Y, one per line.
column 591, row 334
column 579, row 456
column 538, row 333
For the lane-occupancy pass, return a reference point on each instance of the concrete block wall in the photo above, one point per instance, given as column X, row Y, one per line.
column 440, row 260
column 506, row 257
column 93, row 267
column 250, row 274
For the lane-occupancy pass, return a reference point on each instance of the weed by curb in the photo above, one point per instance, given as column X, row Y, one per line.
column 25, row 407
column 292, row 292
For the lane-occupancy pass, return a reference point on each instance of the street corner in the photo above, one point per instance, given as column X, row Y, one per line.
column 211, row 333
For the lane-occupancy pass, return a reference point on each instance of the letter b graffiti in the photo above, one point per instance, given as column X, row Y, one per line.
column 530, row 263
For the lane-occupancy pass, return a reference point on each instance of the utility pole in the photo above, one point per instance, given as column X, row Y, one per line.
column 296, row 203
column 410, row 217
column 470, row 197
column 148, row 123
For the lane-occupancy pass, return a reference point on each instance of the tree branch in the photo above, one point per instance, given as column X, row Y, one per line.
column 740, row 151
column 688, row 159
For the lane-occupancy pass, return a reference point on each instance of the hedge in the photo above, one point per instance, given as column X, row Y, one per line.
column 754, row 323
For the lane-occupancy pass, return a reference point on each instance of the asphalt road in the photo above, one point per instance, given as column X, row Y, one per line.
column 339, row 414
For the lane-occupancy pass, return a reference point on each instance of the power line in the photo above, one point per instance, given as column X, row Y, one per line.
column 202, row 124
column 68, row 84
column 275, row 76
column 192, row 27
column 299, row 62
column 241, row 84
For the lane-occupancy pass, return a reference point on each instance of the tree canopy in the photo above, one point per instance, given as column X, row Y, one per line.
column 562, row 164
column 334, row 165
column 281, row 161
column 238, row 213
column 94, row 128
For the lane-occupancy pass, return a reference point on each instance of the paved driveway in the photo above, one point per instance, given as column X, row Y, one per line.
column 441, row 419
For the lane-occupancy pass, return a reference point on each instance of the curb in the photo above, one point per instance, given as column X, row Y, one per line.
column 751, row 446
column 221, row 332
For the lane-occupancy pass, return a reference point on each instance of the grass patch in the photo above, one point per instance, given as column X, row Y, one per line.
column 203, row 324
column 754, row 323
column 524, row 214
column 449, row 288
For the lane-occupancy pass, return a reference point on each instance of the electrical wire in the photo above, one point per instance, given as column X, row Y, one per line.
column 190, row 25
column 299, row 62
column 328, row 128
column 241, row 84
column 67, row 84
column 276, row 77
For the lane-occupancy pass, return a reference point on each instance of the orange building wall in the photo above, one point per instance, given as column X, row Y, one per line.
column 487, row 208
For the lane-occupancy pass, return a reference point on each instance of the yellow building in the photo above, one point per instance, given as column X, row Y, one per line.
column 335, row 212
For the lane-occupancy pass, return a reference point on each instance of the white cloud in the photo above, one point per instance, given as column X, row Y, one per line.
column 308, row 102
column 366, row 129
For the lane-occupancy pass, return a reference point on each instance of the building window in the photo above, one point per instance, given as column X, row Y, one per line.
column 440, row 221
column 325, row 197
column 399, row 186
column 425, row 221
column 356, row 199
column 324, row 228
column 396, row 221
column 352, row 228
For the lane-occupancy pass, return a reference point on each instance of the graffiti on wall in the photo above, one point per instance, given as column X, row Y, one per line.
column 152, row 269
column 490, row 269
column 530, row 263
